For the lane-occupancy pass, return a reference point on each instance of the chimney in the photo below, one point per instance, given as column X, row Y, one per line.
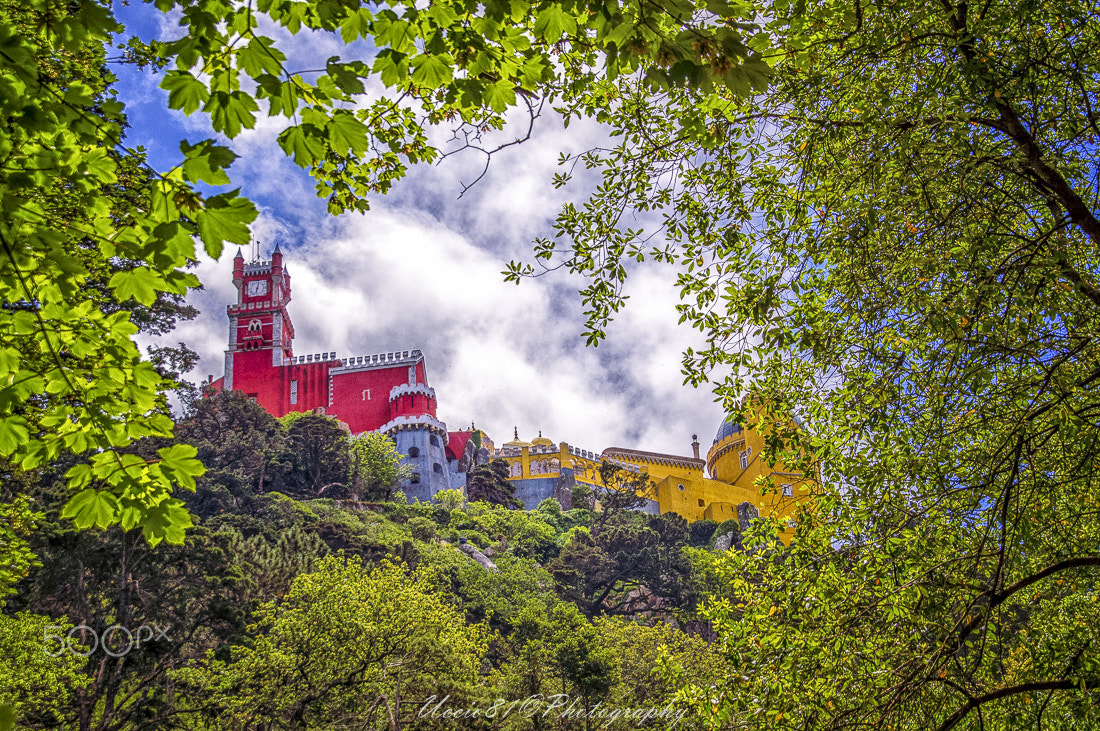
column 695, row 445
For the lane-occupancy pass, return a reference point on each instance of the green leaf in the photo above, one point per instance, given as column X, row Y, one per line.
column 356, row 24
column 501, row 95
column 259, row 56
column 225, row 218
column 91, row 507
column 185, row 92
column 206, row 162
column 431, row 70
column 348, row 77
column 167, row 521
column 553, row 22
column 180, row 465
column 98, row 165
column 345, row 133
column 231, row 111
column 14, row 432
column 140, row 284
column 303, row 141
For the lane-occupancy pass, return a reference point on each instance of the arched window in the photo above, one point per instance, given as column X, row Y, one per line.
column 254, row 326
column 415, row 479
column 414, row 452
column 437, row 468
column 517, row 469
column 681, row 486
column 744, row 460
column 434, row 440
column 555, row 465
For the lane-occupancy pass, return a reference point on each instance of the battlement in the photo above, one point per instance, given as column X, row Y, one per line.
column 257, row 267
column 418, row 421
column 406, row 389
column 313, row 358
column 247, row 306
column 401, row 357
column 585, row 454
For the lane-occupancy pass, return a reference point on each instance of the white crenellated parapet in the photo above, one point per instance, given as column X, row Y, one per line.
column 400, row 357
column 418, row 421
column 406, row 389
column 312, row 358
column 585, row 454
column 247, row 306
column 403, row 357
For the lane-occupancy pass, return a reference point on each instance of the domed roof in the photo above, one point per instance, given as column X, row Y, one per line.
column 728, row 428
column 542, row 441
column 517, row 442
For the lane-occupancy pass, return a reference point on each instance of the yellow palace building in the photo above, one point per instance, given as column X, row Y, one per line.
column 697, row 489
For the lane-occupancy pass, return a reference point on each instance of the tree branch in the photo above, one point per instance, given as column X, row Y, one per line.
column 977, row 702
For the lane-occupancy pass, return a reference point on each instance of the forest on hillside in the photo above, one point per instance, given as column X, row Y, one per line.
column 291, row 605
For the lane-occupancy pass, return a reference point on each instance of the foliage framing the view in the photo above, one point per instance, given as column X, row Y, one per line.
column 898, row 243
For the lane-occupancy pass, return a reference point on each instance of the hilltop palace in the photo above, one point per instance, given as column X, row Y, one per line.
column 389, row 393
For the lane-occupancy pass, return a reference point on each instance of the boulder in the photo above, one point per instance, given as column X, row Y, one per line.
column 746, row 512
column 480, row 557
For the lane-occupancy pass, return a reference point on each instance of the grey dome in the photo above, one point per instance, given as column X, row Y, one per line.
column 728, row 427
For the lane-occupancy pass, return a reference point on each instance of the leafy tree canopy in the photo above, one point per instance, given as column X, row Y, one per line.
column 347, row 645
column 898, row 243
column 489, row 483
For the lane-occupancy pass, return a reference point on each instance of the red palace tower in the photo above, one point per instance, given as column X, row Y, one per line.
column 385, row 392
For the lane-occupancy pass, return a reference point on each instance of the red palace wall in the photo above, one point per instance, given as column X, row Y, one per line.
column 362, row 398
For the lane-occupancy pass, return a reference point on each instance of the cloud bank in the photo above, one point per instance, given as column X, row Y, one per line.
column 423, row 270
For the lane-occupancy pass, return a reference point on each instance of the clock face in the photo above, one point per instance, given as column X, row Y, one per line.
column 257, row 288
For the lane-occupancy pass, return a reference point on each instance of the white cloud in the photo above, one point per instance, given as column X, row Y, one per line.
column 422, row 269
column 497, row 354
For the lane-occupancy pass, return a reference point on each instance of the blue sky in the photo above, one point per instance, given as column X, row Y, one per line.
column 422, row 269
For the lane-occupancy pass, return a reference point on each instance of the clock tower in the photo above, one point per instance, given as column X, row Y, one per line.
column 260, row 332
